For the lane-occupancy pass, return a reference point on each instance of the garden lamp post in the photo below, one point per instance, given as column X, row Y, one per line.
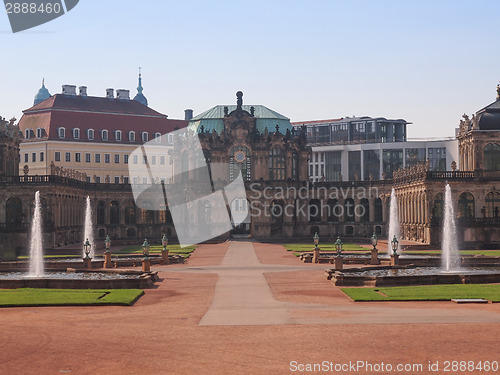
column 316, row 248
column 87, row 261
column 395, row 255
column 374, row 253
column 164, row 252
column 146, row 262
column 107, row 253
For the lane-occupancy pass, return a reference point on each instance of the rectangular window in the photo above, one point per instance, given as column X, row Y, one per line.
column 392, row 161
column 437, row 158
column 117, row 158
column 87, row 157
column 125, row 158
column 67, row 156
column 57, row 156
column 144, row 180
column 97, row 158
column 33, row 157
column 333, row 165
column 107, row 158
column 136, row 159
column 26, row 158
column 153, row 159
column 162, row 160
column 354, row 161
column 98, row 179
column 371, row 165
column 144, row 159
column 78, row 157
column 88, row 178
column 42, row 156
column 125, row 180
column 117, row 180
column 414, row 156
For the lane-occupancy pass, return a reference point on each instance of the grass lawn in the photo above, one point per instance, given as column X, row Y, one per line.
column 425, row 292
column 156, row 249
column 64, row 297
column 298, row 248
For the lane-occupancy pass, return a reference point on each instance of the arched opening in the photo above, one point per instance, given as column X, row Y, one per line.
column 378, row 210
column 114, row 213
column 364, row 210
column 349, row 210
column 130, row 233
column 314, row 211
column 492, row 157
column 334, row 211
column 130, row 215
column 277, row 213
column 14, row 211
column 147, row 213
column 465, row 205
column 101, row 208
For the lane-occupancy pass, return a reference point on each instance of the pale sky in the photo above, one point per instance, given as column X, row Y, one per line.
column 425, row 61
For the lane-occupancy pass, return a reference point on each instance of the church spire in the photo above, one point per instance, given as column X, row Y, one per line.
column 140, row 97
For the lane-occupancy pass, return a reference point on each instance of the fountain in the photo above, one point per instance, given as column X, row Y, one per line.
column 89, row 230
column 36, row 241
column 393, row 222
column 449, row 248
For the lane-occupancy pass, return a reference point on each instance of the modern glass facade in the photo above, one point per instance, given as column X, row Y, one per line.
column 437, row 158
column 333, row 163
column 354, row 165
column 392, row 161
column 414, row 156
column 371, row 163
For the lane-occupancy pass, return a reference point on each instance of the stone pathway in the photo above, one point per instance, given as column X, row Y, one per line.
column 244, row 297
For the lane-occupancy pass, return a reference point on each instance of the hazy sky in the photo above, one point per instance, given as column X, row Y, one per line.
column 425, row 61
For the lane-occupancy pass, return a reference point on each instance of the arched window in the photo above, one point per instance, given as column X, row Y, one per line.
column 90, row 134
column 104, row 135
column 239, row 160
column 27, row 134
column 437, row 209
column 131, row 136
column 61, row 132
column 364, row 210
column 334, row 211
column 314, row 211
column 492, row 157
column 147, row 213
column 118, row 135
column 39, row 132
column 492, row 204
column 378, row 210
column 145, row 136
column 101, row 208
column 466, row 205
column 349, row 210
column 114, row 213
column 158, row 137
column 276, row 164
column 76, row 133
column 14, row 211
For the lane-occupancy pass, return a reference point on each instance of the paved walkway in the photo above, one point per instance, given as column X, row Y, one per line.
column 243, row 297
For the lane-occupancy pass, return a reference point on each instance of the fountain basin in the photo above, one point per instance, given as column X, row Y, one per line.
column 412, row 275
column 80, row 280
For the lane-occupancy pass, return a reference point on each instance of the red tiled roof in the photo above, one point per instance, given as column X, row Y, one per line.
column 60, row 111
column 93, row 104
column 316, row 121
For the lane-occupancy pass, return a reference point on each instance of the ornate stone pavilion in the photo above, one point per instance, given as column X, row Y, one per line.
column 475, row 186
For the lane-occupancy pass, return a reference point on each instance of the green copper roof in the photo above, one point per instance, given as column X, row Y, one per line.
column 266, row 119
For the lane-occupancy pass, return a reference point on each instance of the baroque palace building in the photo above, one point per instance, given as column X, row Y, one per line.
column 272, row 155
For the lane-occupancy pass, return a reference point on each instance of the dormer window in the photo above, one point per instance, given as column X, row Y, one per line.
column 90, row 134
column 39, row 132
column 118, row 135
column 61, row 132
column 158, row 137
column 144, row 136
column 76, row 133
column 27, row 133
column 131, row 136
column 104, row 135
column 170, row 138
